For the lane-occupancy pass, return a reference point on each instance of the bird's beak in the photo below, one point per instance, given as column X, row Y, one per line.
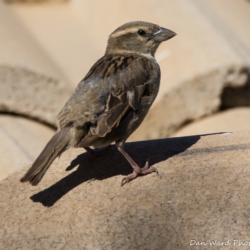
column 163, row 34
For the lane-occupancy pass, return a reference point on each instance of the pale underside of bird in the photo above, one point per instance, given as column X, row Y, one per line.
column 112, row 100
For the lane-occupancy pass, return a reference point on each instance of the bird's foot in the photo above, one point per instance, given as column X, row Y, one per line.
column 93, row 153
column 141, row 171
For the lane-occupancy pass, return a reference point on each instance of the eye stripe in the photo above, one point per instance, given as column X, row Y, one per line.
column 126, row 31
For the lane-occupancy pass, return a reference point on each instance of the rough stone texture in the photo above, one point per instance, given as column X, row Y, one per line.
column 205, row 58
column 21, row 141
column 237, row 119
column 30, row 83
column 201, row 193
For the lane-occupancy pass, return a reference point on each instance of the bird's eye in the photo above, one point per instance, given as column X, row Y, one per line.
column 141, row 32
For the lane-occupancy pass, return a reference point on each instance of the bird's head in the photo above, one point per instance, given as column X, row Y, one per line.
column 137, row 37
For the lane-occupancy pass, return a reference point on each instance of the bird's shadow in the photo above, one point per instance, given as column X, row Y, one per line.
column 112, row 163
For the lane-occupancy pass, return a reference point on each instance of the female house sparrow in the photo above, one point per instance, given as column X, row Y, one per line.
column 110, row 103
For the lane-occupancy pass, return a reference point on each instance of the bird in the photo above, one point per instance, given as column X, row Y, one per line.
column 111, row 101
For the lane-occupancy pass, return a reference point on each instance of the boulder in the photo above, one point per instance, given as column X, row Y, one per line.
column 230, row 120
column 21, row 141
column 30, row 83
column 201, row 196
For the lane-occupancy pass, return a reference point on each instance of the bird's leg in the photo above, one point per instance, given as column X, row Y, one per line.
column 95, row 153
column 137, row 170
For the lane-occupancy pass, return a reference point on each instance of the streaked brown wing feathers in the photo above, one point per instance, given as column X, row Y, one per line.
column 121, row 79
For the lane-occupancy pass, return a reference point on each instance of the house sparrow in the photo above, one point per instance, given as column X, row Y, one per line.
column 112, row 100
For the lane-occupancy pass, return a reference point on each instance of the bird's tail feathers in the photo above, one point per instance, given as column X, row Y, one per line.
column 55, row 147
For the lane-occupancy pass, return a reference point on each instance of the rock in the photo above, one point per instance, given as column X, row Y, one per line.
column 30, row 83
column 201, row 194
column 232, row 22
column 21, row 141
column 75, row 46
column 237, row 119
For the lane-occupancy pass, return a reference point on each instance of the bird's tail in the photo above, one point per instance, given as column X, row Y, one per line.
column 55, row 147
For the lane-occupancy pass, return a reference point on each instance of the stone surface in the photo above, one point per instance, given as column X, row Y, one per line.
column 30, row 83
column 205, row 57
column 237, row 22
column 237, row 119
column 21, row 141
column 201, row 193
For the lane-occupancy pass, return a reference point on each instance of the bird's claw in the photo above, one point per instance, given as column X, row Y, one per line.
column 143, row 171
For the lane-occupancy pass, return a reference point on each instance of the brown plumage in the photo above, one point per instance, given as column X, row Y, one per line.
column 112, row 100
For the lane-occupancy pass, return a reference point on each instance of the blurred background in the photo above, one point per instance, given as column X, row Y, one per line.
column 47, row 47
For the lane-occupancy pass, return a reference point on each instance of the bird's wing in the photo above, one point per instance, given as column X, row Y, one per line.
column 113, row 84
